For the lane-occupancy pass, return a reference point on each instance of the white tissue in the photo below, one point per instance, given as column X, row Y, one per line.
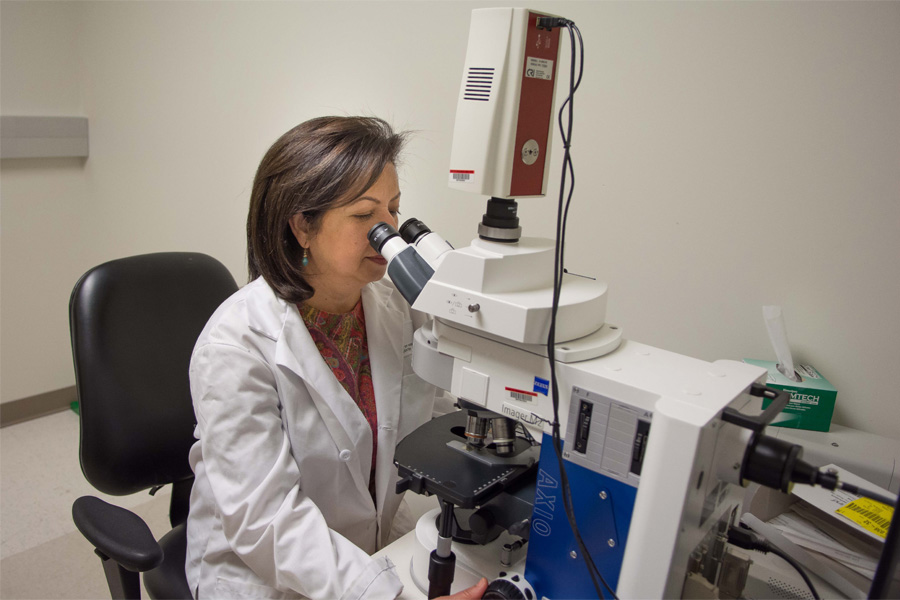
column 778, row 335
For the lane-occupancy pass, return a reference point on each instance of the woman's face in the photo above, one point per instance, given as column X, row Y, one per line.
column 341, row 261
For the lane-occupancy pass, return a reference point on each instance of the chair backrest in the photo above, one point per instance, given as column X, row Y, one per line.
column 134, row 322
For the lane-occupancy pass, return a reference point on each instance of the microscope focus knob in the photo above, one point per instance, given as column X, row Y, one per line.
column 509, row 587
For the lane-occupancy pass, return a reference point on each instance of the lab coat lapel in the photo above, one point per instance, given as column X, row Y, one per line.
column 385, row 326
column 295, row 350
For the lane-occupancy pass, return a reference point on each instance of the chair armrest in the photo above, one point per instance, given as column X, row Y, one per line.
column 117, row 533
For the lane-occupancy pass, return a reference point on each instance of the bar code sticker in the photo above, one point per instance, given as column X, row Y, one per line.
column 872, row 516
column 459, row 176
column 521, row 395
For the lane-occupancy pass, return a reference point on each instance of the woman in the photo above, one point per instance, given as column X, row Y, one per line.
column 302, row 383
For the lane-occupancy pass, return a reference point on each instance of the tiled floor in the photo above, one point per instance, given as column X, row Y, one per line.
column 43, row 555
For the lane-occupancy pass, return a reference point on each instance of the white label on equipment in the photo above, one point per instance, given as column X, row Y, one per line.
column 539, row 68
column 520, row 414
column 462, row 176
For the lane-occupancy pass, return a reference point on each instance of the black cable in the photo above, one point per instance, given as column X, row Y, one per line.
column 525, row 434
column 776, row 464
column 807, row 474
column 567, row 158
column 559, row 250
column 562, row 241
column 798, row 568
column 878, row 497
column 749, row 540
column 551, row 338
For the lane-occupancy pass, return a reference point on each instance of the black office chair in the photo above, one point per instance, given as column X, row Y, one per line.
column 134, row 322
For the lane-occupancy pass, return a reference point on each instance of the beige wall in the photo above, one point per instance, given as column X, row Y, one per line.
column 728, row 155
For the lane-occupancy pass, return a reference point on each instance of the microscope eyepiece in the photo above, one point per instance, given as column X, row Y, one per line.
column 412, row 229
column 406, row 268
column 380, row 234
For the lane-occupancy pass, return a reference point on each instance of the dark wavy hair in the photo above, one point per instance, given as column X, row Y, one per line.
column 316, row 166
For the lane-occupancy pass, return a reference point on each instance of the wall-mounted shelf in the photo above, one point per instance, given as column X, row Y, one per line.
column 43, row 137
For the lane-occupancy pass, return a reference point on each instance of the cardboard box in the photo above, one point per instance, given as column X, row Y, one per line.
column 812, row 399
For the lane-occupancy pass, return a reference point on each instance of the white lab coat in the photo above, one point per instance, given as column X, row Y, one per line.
column 280, row 507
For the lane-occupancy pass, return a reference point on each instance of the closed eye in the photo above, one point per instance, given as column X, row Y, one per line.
column 366, row 216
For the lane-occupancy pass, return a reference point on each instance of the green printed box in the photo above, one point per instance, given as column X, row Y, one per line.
column 812, row 399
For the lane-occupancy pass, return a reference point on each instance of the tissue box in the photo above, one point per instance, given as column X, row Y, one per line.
column 812, row 399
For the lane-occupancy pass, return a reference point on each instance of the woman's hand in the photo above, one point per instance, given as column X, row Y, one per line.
column 473, row 593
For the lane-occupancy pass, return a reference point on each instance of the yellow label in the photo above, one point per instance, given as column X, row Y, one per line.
column 870, row 515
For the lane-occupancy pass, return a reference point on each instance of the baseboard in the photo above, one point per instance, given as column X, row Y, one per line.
column 33, row 407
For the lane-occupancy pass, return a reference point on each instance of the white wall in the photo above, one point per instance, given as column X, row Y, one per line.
column 728, row 155
column 44, row 204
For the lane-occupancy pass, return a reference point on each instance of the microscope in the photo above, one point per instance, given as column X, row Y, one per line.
column 580, row 464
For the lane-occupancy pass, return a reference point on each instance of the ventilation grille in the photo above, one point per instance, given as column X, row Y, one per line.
column 479, row 82
column 782, row 589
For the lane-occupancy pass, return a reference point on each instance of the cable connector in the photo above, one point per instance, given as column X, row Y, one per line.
column 829, row 480
column 746, row 539
column 553, row 22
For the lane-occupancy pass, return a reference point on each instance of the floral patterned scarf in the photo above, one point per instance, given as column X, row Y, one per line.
column 341, row 340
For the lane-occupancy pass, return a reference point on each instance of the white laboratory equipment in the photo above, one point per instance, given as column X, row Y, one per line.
column 582, row 463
